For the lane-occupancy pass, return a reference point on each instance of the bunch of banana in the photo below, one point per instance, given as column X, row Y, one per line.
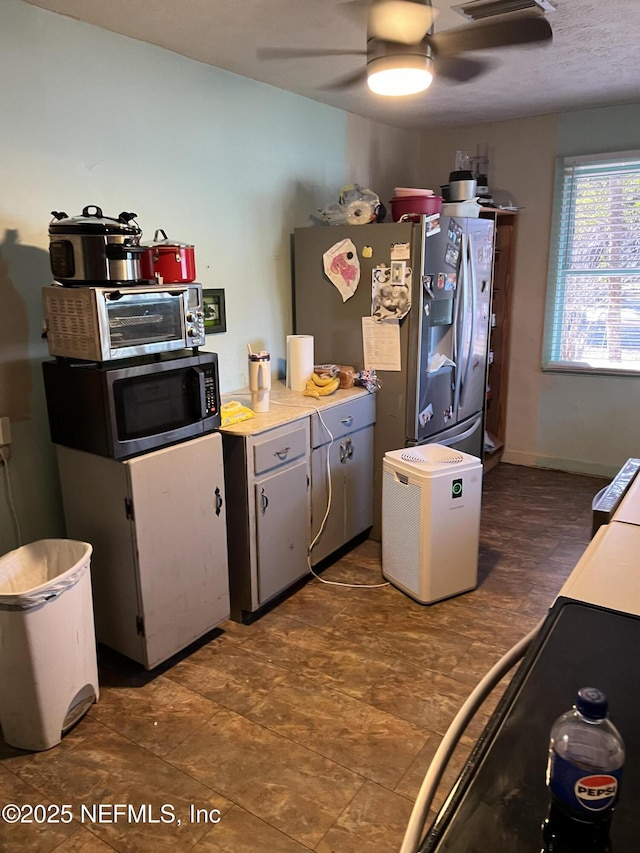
column 321, row 386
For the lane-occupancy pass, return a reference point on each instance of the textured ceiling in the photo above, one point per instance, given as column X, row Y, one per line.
column 593, row 60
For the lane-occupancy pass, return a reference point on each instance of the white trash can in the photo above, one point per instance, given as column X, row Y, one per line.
column 48, row 662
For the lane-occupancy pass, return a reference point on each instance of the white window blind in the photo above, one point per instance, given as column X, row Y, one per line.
column 592, row 320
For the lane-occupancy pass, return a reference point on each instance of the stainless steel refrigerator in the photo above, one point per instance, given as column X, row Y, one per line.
column 438, row 392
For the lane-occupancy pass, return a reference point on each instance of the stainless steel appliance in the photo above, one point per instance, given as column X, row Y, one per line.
column 109, row 322
column 134, row 406
column 438, row 392
column 93, row 248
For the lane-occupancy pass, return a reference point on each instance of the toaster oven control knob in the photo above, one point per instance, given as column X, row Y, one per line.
column 191, row 317
column 193, row 333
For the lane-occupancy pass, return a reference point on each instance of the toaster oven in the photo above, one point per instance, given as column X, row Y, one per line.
column 107, row 323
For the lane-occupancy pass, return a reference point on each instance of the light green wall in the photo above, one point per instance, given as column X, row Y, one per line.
column 591, row 422
column 587, row 424
column 229, row 164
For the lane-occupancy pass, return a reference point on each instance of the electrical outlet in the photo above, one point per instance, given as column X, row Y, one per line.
column 5, row 431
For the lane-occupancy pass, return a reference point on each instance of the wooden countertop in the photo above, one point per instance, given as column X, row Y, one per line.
column 285, row 406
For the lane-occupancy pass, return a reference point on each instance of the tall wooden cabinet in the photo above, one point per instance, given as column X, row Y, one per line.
column 499, row 332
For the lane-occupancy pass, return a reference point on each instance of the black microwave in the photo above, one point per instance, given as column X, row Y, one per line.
column 122, row 409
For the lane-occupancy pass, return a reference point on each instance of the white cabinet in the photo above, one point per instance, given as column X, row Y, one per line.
column 268, row 516
column 342, row 457
column 157, row 524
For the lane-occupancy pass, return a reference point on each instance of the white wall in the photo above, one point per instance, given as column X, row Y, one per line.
column 231, row 165
column 587, row 424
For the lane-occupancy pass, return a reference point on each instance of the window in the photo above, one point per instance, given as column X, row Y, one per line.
column 592, row 321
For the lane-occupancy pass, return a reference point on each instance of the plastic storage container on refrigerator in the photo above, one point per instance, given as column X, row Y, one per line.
column 431, row 498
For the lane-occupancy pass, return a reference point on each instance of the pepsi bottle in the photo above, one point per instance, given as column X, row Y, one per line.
column 584, row 771
column 562, row 833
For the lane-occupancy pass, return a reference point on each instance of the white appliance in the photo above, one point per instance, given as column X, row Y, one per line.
column 607, row 573
column 431, row 499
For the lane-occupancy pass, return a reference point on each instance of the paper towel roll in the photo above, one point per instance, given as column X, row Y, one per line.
column 299, row 361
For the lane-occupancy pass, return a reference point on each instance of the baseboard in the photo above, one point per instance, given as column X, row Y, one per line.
column 573, row 466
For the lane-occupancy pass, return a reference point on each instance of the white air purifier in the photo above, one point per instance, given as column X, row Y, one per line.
column 431, row 499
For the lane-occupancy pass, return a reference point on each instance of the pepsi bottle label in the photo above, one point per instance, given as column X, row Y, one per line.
column 589, row 794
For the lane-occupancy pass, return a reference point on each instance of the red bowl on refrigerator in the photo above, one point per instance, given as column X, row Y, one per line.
column 415, row 206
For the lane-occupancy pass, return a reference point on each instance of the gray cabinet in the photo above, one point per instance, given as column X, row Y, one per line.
column 157, row 524
column 342, row 459
column 268, row 516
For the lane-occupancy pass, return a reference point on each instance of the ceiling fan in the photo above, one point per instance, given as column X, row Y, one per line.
column 404, row 53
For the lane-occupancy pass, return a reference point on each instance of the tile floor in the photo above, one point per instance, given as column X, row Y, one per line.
column 312, row 728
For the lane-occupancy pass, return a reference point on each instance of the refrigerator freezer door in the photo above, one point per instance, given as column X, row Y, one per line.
column 319, row 309
column 472, row 355
column 337, row 326
column 435, row 409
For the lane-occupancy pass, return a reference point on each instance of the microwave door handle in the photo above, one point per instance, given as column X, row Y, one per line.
column 202, row 391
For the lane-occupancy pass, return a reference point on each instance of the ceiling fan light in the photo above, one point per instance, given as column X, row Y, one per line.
column 394, row 76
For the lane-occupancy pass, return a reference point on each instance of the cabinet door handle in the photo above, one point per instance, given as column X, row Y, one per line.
column 343, row 453
column 264, row 501
column 349, row 448
column 218, row 501
column 347, row 421
column 282, row 454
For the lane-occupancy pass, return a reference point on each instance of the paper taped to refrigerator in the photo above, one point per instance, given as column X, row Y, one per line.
column 381, row 344
column 342, row 267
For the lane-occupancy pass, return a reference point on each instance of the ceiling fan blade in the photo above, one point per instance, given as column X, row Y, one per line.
column 348, row 81
column 402, row 21
column 303, row 53
column 460, row 69
column 525, row 29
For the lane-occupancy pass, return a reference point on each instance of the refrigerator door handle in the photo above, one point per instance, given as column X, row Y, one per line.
column 459, row 326
column 470, row 287
column 460, row 437
column 455, row 342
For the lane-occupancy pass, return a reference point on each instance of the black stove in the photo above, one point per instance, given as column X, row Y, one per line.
column 501, row 800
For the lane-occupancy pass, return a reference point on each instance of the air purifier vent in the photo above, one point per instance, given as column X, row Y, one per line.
column 432, row 453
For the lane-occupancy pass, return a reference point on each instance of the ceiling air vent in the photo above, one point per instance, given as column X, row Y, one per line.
column 477, row 10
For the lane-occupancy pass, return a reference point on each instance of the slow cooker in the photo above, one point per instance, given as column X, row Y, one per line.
column 91, row 249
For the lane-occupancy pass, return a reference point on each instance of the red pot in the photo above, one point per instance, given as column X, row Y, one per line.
column 414, row 206
column 175, row 262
